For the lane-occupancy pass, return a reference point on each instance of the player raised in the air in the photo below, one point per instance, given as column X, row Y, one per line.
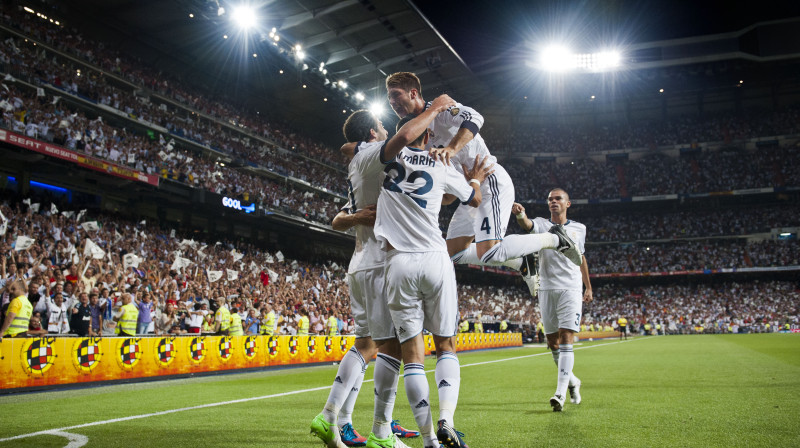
column 559, row 290
column 454, row 136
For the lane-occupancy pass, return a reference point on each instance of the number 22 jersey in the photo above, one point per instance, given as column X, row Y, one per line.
column 411, row 196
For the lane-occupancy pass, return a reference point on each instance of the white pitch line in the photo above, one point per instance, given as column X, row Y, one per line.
column 242, row 400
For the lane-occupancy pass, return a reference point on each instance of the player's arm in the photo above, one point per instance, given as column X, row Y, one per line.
column 469, row 123
column 448, row 198
column 10, row 316
column 522, row 219
column 345, row 221
column 587, row 294
column 414, row 128
column 476, row 176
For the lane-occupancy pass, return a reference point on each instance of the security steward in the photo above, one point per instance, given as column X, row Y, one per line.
column 19, row 312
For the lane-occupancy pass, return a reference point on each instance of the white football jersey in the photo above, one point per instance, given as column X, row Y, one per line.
column 445, row 126
column 555, row 270
column 408, row 207
column 364, row 179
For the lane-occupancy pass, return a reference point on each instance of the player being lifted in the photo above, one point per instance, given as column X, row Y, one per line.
column 560, row 292
column 420, row 279
column 374, row 331
column 454, row 136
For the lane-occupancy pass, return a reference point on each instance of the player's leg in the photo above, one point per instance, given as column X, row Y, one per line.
column 352, row 367
column 405, row 306
column 387, row 364
column 568, row 310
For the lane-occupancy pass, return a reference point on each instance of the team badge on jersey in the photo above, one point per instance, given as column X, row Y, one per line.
column 328, row 344
column 86, row 354
column 250, row 348
column 225, row 348
column 197, row 349
column 293, row 346
column 454, row 111
column 37, row 356
column 128, row 353
column 165, row 351
column 272, row 346
column 312, row 345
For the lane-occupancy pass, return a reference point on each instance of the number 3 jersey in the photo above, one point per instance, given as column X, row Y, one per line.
column 408, row 207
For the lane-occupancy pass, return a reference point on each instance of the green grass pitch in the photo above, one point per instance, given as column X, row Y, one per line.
column 699, row 391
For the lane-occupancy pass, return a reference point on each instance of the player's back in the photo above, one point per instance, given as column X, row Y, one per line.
column 408, row 209
column 447, row 124
column 364, row 178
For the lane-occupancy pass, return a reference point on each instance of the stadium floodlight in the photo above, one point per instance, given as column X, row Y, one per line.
column 556, row 58
column 342, row 83
column 300, row 54
column 376, row 109
column 606, row 60
column 359, row 96
column 220, row 11
column 244, row 17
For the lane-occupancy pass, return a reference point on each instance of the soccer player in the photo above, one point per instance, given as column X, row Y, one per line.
column 560, row 292
column 454, row 136
column 420, row 279
column 368, row 152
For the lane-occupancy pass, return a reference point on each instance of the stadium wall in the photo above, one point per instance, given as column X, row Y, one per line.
column 50, row 362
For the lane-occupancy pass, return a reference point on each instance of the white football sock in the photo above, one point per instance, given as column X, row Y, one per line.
column 387, row 372
column 350, row 368
column 418, row 394
column 346, row 413
column 566, row 360
column 517, row 246
column 470, row 256
column 448, row 380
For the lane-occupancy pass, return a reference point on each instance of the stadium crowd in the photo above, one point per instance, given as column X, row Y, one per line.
column 174, row 275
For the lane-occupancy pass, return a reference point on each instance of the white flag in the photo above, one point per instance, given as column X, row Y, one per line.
column 93, row 250
column 185, row 243
column 279, row 256
column 35, row 207
column 232, row 275
column 55, row 99
column 162, row 155
column 289, row 279
column 80, row 214
column 172, row 233
column 27, row 201
column 3, row 217
column 236, row 255
column 53, row 209
column 253, row 267
column 117, row 236
column 68, row 214
column 214, row 276
column 3, row 228
column 180, row 262
column 270, row 259
column 143, row 223
column 90, row 226
column 131, row 158
column 273, row 276
column 23, row 242
column 40, row 91
column 131, row 260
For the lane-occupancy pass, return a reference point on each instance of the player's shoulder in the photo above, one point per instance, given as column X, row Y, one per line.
column 576, row 224
column 365, row 147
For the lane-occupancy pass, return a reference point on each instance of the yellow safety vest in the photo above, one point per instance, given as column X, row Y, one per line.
column 206, row 326
column 223, row 316
column 464, row 326
column 236, row 325
column 503, row 325
column 333, row 326
column 268, row 327
column 302, row 326
column 647, row 327
column 127, row 323
column 622, row 322
column 22, row 319
column 478, row 326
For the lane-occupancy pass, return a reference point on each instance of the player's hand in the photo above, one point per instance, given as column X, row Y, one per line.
column 366, row 216
column 517, row 209
column 479, row 170
column 587, row 296
column 442, row 103
column 443, row 154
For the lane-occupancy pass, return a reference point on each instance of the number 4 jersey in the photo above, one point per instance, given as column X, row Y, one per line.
column 408, row 207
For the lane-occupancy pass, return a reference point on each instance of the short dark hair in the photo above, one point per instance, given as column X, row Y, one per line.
column 558, row 189
column 358, row 125
column 405, row 120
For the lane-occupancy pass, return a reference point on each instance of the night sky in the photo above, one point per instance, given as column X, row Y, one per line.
column 479, row 30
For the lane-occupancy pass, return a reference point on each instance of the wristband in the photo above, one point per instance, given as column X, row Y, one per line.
column 521, row 215
column 475, row 181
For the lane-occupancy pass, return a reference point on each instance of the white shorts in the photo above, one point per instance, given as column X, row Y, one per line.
column 560, row 309
column 488, row 221
column 368, row 304
column 421, row 289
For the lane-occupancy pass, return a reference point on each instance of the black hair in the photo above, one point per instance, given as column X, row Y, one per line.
column 405, row 120
column 358, row 125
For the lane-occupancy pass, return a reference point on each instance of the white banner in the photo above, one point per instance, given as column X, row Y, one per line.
column 90, row 226
column 23, row 242
column 131, row 260
column 213, row 276
column 232, row 275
